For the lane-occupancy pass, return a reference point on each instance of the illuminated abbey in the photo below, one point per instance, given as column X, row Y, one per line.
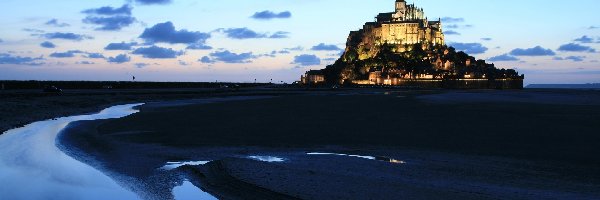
column 404, row 27
column 405, row 49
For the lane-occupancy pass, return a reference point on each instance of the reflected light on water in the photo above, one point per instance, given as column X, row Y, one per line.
column 340, row 154
column 188, row 191
column 378, row 158
column 173, row 165
column 33, row 167
column 267, row 158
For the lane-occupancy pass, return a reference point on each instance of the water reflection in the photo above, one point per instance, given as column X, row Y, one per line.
column 173, row 165
column 378, row 158
column 339, row 154
column 191, row 192
column 267, row 158
column 32, row 167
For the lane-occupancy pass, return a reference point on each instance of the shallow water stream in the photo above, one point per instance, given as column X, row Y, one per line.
column 32, row 167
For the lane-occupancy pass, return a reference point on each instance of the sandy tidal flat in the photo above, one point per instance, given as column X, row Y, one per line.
column 463, row 150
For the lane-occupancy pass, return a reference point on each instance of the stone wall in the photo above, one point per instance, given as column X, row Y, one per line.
column 456, row 84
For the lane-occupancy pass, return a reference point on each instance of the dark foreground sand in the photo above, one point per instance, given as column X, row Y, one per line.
column 20, row 107
column 506, row 144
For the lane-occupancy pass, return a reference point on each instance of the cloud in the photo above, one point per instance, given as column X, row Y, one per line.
column 18, row 60
column 268, row 15
column 451, row 26
column 503, row 57
column 199, row 47
column 584, row 39
column 107, row 10
column 470, row 48
column 54, row 22
column 486, row 39
column 452, row 20
column 66, row 36
column 572, row 47
column 1, row 40
column 182, row 63
column 120, row 46
column 307, row 60
column 573, row 58
column 229, row 57
column 157, row 52
column 153, row 2
column 246, row 33
column 85, row 63
column 32, row 30
column 140, row 65
column 48, row 44
column 325, row 47
column 456, row 26
column 166, row 33
column 452, row 23
column 451, row 32
column 206, row 59
column 275, row 52
column 121, row 58
column 243, row 33
column 94, row 55
column 113, row 23
column 558, row 58
column 535, row 51
column 594, row 27
column 279, row 34
column 109, row 18
column 68, row 54
column 298, row 48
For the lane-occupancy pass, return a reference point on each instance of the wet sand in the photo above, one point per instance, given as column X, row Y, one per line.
column 21, row 107
column 453, row 147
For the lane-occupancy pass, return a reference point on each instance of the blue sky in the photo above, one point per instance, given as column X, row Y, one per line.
column 240, row 40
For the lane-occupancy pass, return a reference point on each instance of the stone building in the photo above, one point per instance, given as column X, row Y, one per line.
column 313, row 77
column 402, row 28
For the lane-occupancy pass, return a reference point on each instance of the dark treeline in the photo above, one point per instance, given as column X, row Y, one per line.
column 15, row 85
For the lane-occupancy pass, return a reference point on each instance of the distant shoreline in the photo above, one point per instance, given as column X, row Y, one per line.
column 564, row 86
column 107, row 85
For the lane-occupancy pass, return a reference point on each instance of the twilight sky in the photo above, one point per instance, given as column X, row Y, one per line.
column 240, row 40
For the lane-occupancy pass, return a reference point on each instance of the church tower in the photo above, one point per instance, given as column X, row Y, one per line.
column 400, row 11
column 400, row 6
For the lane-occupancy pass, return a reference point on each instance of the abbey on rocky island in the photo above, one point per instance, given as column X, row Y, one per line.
column 405, row 49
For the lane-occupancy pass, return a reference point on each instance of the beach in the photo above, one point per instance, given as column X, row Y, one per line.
column 34, row 105
column 519, row 144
